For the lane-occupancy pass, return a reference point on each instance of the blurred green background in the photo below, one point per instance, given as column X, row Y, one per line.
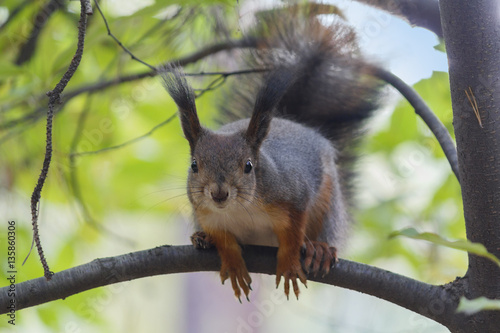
column 131, row 198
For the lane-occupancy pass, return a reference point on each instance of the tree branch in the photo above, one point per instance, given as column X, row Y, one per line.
column 72, row 155
column 421, row 108
column 28, row 49
column 423, row 13
column 411, row 294
column 99, row 86
column 54, row 98
column 118, row 41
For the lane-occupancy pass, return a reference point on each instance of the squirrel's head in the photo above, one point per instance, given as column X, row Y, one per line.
column 222, row 171
column 223, row 166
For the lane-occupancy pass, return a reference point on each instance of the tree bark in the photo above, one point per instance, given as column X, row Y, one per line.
column 435, row 302
column 472, row 37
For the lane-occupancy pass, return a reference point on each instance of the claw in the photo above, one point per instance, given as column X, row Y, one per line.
column 278, row 280
column 201, row 240
column 317, row 261
column 287, row 286
column 319, row 257
column 309, row 255
column 224, row 275
column 291, row 273
column 296, row 290
column 240, row 280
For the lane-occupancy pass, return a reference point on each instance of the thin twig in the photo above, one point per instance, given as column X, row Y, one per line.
column 34, row 116
column 227, row 74
column 126, row 143
column 213, row 85
column 54, row 97
column 118, row 41
column 219, row 81
column 75, row 184
column 421, row 108
column 6, row 107
column 100, row 86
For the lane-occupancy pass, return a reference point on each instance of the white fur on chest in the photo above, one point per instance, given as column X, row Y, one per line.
column 250, row 225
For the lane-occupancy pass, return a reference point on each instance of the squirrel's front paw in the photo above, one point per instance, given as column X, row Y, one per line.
column 319, row 257
column 201, row 240
column 290, row 272
column 240, row 279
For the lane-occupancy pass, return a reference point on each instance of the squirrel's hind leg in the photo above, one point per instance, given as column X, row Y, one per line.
column 289, row 227
column 318, row 256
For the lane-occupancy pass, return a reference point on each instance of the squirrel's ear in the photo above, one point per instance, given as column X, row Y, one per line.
column 181, row 92
column 274, row 88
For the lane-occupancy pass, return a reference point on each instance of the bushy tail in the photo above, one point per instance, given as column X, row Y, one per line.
column 333, row 90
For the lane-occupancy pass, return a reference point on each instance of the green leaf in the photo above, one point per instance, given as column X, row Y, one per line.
column 471, row 306
column 463, row 245
column 440, row 46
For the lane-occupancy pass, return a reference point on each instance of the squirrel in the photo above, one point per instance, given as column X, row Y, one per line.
column 282, row 176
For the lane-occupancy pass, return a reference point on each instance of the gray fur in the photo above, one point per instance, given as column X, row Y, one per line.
column 290, row 167
column 318, row 79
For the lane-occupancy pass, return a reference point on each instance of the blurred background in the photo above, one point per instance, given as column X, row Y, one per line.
column 126, row 193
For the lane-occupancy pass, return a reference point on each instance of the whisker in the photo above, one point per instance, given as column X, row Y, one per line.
column 254, row 204
column 248, row 212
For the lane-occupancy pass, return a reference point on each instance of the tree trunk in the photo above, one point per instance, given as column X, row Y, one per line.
column 472, row 36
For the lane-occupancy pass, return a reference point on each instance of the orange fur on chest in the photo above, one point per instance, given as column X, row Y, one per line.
column 272, row 219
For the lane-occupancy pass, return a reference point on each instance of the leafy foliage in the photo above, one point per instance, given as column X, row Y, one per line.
column 463, row 245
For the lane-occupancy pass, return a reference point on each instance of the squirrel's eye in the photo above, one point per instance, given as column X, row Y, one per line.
column 194, row 166
column 248, row 167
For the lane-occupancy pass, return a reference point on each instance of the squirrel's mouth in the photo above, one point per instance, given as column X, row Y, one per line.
column 220, row 205
column 219, row 197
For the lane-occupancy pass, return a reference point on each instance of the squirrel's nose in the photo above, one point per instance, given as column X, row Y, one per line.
column 220, row 195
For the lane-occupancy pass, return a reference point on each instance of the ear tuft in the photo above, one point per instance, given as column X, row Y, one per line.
column 275, row 87
column 181, row 92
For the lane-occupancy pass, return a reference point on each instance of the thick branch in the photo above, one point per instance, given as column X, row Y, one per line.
column 411, row 294
column 421, row 108
column 422, row 13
